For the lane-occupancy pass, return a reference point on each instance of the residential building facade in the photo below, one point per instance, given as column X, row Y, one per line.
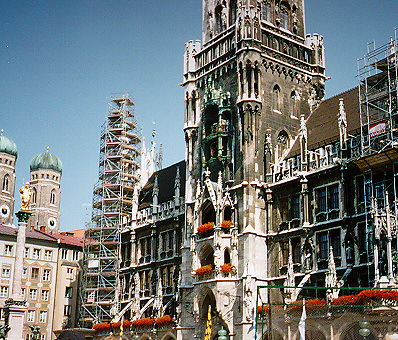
column 50, row 278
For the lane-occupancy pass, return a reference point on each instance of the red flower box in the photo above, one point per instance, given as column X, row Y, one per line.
column 226, row 268
column 144, row 322
column 226, row 225
column 164, row 320
column 309, row 304
column 203, row 228
column 204, row 270
column 102, row 326
column 126, row 324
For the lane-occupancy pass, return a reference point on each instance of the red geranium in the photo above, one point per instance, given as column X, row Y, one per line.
column 309, row 304
column 144, row 322
column 204, row 270
column 205, row 227
column 226, row 224
column 164, row 320
column 226, row 268
column 126, row 323
column 102, row 326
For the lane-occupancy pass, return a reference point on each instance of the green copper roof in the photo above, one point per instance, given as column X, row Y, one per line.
column 46, row 160
column 7, row 145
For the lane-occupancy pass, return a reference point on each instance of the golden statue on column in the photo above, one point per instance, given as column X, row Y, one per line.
column 25, row 193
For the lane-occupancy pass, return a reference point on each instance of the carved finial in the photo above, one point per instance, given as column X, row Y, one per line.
column 268, row 141
column 342, row 121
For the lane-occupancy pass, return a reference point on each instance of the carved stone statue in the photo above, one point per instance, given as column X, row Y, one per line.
column 248, row 298
column 4, row 329
column 35, row 332
column 25, row 193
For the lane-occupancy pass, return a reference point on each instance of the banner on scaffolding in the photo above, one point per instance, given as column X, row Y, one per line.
column 377, row 129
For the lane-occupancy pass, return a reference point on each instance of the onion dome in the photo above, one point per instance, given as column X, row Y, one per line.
column 46, row 160
column 7, row 145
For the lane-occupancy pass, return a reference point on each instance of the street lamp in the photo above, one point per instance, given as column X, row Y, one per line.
column 364, row 330
column 222, row 334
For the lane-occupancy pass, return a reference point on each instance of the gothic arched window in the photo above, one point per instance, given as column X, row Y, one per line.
column 193, row 105
column 284, row 16
column 227, row 256
column 232, row 12
column 52, row 197
column 282, row 143
column 219, row 19
column 6, row 181
column 276, row 98
column 249, row 77
column 256, row 79
column 293, row 104
column 34, row 195
column 266, row 11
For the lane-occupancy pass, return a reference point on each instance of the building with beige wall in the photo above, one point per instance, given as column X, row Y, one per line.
column 50, row 278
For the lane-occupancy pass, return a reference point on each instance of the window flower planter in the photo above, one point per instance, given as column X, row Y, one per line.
column 204, row 270
column 126, row 324
column 144, row 322
column 206, row 227
column 164, row 320
column 102, row 326
column 226, row 268
column 225, row 225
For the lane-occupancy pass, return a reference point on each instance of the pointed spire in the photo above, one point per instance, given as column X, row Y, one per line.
column 290, row 273
column 331, row 276
column 177, row 185
column 198, row 190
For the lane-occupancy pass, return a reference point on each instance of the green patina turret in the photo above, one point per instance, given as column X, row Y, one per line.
column 46, row 160
column 8, row 146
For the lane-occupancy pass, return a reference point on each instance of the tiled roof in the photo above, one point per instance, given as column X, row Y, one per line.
column 68, row 239
column 32, row 233
column 41, row 235
column 322, row 124
column 166, row 180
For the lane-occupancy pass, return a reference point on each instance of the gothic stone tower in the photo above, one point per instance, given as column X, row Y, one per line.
column 8, row 157
column 246, row 88
column 45, row 179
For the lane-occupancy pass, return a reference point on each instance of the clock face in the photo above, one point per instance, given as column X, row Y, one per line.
column 52, row 223
column 4, row 211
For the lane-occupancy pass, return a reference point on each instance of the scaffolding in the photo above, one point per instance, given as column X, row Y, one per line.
column 378, row 79
column 112, row 206
column 378, row 75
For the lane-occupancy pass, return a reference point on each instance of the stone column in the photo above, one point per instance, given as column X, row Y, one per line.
column 15, row 307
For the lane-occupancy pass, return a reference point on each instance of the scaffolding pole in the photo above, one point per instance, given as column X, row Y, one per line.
column 112, row 203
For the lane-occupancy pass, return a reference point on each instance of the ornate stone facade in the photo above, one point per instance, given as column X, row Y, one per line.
column 245, row 89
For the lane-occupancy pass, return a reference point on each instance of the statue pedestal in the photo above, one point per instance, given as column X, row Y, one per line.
column 15, row 317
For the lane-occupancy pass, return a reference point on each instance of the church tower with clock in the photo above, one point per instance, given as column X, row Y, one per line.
column 248, row 83
column 45, row 180
column 8, row 157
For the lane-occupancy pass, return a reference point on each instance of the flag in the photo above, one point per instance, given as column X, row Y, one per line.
column 208, row 325
column 302, row 322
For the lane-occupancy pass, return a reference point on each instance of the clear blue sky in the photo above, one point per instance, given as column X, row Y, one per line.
column 61, row 60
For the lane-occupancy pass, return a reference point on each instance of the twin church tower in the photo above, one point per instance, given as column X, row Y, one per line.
column 45, row 179
column 250, row 82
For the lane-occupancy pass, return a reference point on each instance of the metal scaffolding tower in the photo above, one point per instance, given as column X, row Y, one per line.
column 112, row 203
column 378, row 101
column 377, row 74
